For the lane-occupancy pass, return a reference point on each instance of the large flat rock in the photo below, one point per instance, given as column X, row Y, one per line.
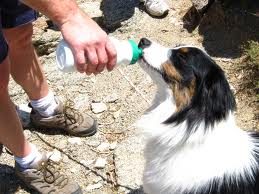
column 130, row 163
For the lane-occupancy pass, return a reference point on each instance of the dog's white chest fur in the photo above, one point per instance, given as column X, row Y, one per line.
column 172, row 167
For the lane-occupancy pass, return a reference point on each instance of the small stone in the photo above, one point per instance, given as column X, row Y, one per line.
column 94, row 186
column 111, row 98
column 62, row 144
column 75, row 140
column 97, row 179
column 55, row 155
column 239, row 76
column 113, row 145
column 98, row 107
column 200, row 4
column 65, row 159
column 100, row 163
column 117, row 114
column 73, row 170
column 103, row 147
column 94, row 143
column 87, row 162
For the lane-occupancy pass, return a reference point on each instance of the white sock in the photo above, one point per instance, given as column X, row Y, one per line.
column 45, row 106
column 26, row 161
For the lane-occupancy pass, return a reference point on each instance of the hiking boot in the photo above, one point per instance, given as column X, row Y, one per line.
column 66, row 118
column 44, row 177
column 156, row 8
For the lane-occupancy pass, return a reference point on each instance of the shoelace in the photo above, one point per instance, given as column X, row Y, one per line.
column 51, row 175
column 71, row 114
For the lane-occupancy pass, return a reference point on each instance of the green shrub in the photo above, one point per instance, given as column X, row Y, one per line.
column 251, row 51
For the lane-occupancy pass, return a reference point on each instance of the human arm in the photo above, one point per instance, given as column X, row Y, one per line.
column 92, row 49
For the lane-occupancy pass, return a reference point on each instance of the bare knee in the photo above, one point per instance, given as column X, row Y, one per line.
column 20, row 37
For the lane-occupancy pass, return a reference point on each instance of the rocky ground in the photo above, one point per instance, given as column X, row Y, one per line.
column 111, row 161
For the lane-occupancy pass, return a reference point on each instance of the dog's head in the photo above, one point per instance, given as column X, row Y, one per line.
column 197, row 84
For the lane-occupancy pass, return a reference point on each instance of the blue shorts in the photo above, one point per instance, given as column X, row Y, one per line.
column 12, row 14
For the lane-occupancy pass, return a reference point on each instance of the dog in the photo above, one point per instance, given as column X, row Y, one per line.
column 193, row 143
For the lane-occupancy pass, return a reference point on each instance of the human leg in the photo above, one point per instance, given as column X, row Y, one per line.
column 29, row 162
column 11, row 133
column 27, row 71
column 30, row 166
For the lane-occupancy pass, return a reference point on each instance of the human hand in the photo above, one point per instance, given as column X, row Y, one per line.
column 92, row 49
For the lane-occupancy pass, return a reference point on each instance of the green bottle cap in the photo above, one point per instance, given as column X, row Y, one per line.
column 137, row 52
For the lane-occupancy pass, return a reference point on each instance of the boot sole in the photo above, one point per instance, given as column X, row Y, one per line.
column 91, row 131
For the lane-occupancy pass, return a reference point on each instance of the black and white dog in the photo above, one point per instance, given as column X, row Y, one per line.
column 193, row 143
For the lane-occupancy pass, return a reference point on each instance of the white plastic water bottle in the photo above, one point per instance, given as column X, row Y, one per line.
column 128, row 52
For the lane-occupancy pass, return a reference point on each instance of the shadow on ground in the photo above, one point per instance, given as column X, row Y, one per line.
column 225, row 30
column 117, row 11
column 9, row 183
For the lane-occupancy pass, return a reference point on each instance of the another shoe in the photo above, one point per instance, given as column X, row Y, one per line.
column 44, row 177
column 157, row 8
column 66, row 118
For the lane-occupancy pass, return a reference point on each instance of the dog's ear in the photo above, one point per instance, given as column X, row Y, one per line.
column 214, row 94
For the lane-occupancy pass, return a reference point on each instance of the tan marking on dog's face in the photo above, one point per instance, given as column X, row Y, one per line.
column 184, row 50
column 182, row 94
column 171, row 71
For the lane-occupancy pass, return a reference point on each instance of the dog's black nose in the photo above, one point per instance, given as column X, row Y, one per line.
column 144, row 43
